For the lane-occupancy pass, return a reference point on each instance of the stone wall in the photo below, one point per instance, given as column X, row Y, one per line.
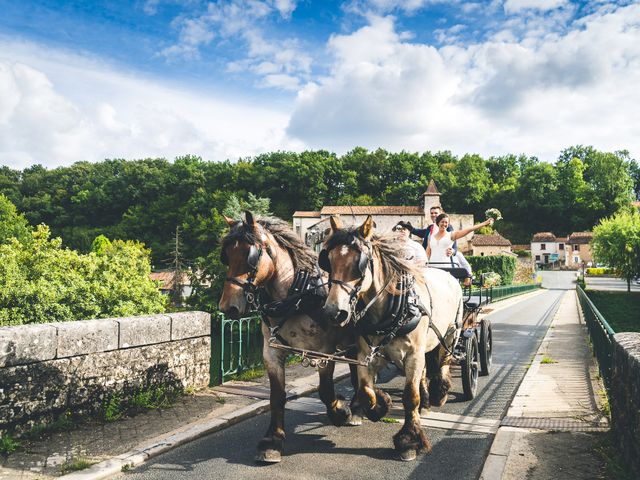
column 624, row 397
column 48, row 369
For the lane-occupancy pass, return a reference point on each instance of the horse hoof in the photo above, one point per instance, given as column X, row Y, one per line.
column 269, row 456
column 355, row 421
column 408, row 455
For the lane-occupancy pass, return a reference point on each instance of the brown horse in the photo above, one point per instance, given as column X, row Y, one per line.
column 401, row 312
column 263, row 257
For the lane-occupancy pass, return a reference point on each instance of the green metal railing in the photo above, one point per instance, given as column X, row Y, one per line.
column 236, row 345
column 601, row 335
column 506, row 291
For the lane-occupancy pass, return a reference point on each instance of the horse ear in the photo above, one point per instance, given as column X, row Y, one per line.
column 336, row 223
column 366, row 229
column 230, row 221
column 250, row 221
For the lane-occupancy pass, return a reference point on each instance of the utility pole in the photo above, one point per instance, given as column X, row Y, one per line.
column 177, row 267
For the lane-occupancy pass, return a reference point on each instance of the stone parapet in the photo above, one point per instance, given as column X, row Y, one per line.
column 49, row 369
column 624, row 397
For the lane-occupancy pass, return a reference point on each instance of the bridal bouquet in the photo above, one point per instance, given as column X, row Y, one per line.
column 493, row 213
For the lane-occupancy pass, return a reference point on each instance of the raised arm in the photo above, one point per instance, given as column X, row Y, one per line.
column 456, row 234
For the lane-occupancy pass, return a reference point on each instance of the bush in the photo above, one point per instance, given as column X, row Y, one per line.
column 503, row 265
column 40, row 281
column 599, row 271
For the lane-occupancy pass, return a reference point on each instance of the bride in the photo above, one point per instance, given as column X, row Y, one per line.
column 443, row 240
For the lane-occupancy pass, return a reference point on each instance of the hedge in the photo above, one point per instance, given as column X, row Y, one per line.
column 600, row 271
column 501, row 264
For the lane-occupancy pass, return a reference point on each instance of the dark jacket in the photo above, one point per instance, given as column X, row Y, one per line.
column 425, row 232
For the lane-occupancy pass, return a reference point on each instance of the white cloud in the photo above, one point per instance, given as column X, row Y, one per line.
column 535, row 94
column 57, row 108
column 516, row 6
column 239, row 19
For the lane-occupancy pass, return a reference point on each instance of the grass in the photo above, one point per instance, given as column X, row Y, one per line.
column 606, row 408
column 8, row 445
column 620, row 309
column 75, row 465
column 389, row 420
column 547, row 359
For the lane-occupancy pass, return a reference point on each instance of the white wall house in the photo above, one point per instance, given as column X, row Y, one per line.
column 547, row 249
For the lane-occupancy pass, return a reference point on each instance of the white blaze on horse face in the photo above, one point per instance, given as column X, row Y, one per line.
column 263, row 237
column 344, row 250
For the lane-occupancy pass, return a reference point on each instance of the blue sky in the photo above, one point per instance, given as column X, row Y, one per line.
column 234, row 78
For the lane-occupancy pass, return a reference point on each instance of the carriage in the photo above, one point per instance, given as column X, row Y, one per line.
column 474, row 347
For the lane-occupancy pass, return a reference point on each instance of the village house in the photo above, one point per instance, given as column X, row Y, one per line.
column 572, row 251
column 311, row 226
column 579, row 250
column 494, row 244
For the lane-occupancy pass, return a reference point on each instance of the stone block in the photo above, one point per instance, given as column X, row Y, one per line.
column 189, row 325
column 144, row 330
column 27, row 344
column 87, row 336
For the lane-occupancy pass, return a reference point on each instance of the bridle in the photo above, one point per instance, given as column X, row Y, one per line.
column 364, row 262
column 249, row 288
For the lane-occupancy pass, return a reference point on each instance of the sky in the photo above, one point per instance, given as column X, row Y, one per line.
column 232, row 79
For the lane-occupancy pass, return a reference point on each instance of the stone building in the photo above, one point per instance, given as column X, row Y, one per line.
column 579, row 250
column 547, row 249
column 312, row 226
column 494, row 244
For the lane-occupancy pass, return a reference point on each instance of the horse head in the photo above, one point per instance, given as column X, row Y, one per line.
column 248, row 251
column 347, row 257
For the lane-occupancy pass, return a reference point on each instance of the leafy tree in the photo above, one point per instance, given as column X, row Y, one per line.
column 616, row 242
column 12, row 223
column 40, row 281
column 257, row 205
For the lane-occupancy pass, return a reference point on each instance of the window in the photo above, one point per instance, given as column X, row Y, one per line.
column 576, row 259
column 561, row 246
column 576, row 248
column 543, row 246
column 537, row 258
column 482, row 254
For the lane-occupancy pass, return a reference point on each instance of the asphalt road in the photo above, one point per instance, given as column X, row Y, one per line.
column 609, row 284
column 315, row 449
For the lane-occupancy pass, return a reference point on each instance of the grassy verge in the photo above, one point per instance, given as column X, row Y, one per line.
column 75, row 465
column 620, row 309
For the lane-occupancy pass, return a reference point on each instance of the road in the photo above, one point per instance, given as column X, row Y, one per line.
column 610, row 284
column 315, row 449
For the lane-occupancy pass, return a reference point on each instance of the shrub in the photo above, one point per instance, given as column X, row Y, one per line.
column 503, row 265
column 40, row 281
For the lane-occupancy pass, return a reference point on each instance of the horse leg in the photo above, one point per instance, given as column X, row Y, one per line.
column 374, row 401
column 424, row 391
column 271, row 446
column 411, row 439
column 337, row 408
column 438, row 369
column 356, row 408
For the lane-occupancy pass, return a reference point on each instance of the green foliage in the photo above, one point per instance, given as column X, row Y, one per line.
column 616, row 242
column 12, row 224
column 599, row 271
column 75, row 465
column 523, row 253
column 112, row 407
column 41, row 281
column 8, row 445
column 236, row 207
column 503, row 265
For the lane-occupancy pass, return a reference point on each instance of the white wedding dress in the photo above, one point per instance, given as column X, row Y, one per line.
column 439, row 248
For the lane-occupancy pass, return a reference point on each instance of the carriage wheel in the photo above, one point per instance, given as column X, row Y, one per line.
column 486, row 347
column 470, row 366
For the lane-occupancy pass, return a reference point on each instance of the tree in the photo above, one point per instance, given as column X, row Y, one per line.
column 40, row 281
column 12, row 223
column 616, row 242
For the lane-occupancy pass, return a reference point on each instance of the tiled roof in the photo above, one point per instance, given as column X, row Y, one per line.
column 635, row 204
column 544, row 237
column 371, row 210
column 306, row 214
column 580, row 238
column 521, row 247
column 562, row 239
column 493, row 240
column 166, row 279
column 431, row 189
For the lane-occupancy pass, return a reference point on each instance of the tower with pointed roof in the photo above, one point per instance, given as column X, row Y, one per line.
column 430, row 198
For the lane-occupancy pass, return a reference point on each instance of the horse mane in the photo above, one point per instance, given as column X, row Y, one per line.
column 303, row 257
column 390, row 252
